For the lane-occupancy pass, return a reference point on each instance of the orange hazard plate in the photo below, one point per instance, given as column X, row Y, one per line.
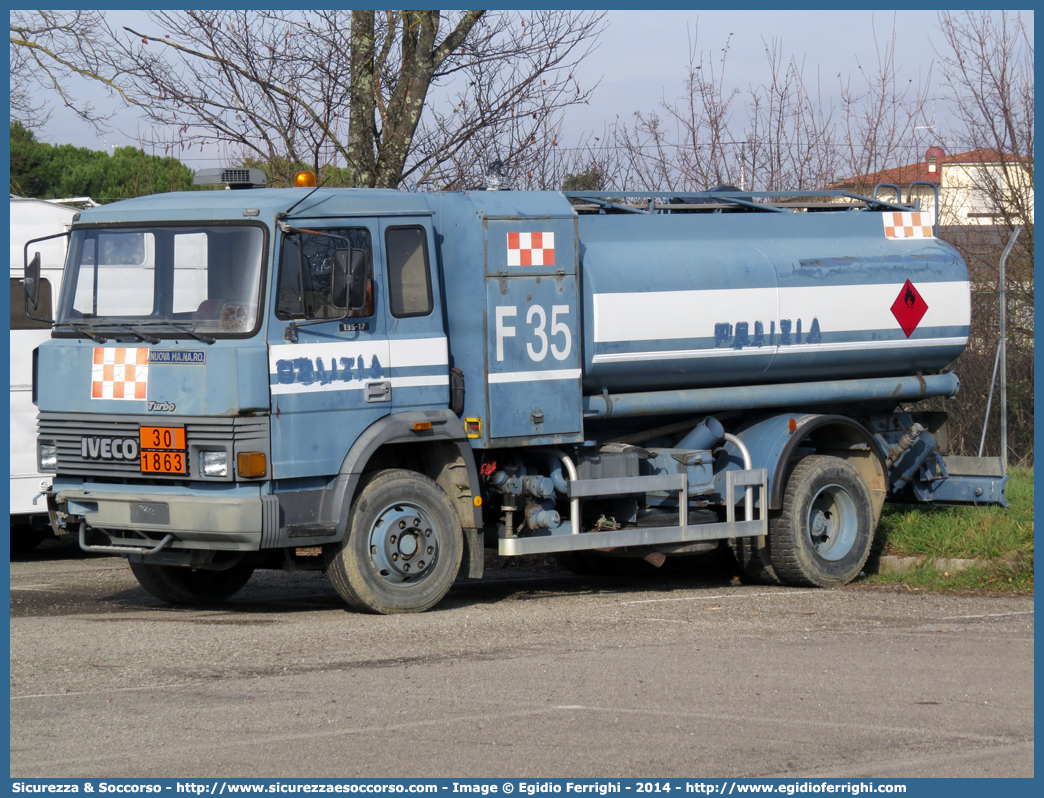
column 163, row 450
column 163, row 463
column 170, row 439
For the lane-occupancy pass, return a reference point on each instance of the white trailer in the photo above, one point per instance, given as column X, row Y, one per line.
column 31, row 219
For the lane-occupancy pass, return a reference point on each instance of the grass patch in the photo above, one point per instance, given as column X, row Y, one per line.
column 993, row 575
column 1001, row 538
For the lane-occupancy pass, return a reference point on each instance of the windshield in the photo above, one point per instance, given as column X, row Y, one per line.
column 199, row 278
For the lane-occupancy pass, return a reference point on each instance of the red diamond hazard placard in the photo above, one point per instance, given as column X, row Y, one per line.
column 909, row 308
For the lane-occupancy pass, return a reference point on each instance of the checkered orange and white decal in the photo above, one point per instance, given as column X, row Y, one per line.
column 907, row 224
column 120, row 372
column 531, row 249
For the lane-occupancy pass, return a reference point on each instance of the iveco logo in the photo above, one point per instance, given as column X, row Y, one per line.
column 109, row 448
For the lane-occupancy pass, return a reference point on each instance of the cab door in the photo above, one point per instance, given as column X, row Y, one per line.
column 334, row 382
column 419, row 355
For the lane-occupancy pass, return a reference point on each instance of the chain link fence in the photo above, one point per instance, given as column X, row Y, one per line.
column 982, row 246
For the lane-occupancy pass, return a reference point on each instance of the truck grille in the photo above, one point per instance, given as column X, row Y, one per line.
column 66, row 430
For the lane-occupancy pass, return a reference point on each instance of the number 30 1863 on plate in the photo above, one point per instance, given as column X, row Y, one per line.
column 163, row 450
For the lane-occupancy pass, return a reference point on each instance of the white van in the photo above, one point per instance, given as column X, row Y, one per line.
column 30, row 219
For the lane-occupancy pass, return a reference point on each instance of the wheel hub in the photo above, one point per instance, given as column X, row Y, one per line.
column 833, row 522
column 404, row 543
column 820, row 526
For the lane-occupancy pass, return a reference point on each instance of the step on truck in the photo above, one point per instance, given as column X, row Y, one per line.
column 382, row 384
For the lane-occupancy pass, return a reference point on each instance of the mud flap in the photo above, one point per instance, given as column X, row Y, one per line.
column 474, row 552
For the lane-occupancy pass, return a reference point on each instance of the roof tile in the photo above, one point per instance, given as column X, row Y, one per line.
column 904, row 175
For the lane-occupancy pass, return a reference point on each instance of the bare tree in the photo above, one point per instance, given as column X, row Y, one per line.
column 387, row 97
column 790, row 136
column 703, row 117
column 881, row 113
column 986, row 59
column 987, row 62
column 782, row 134
column 50, row 51
column 506, row 98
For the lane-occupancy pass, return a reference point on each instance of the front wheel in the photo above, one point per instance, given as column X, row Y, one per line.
column 823, row 534
column 178, row 585
column 402, row 548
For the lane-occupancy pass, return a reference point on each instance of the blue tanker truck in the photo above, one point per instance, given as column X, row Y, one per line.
column 381, row 384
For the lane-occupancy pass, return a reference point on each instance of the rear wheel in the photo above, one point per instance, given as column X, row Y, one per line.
column 177, row 585
column 823, row 534
column 403, row 546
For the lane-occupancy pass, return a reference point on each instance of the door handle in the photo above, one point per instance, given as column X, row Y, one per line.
column 378, row 391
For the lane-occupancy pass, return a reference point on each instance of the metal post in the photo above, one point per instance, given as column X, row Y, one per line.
column 1004, row 349
column 989, row 401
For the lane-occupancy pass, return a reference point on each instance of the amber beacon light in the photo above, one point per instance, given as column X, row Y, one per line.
column 304, row 180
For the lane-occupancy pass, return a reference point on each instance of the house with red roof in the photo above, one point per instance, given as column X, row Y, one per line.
column 972, row 185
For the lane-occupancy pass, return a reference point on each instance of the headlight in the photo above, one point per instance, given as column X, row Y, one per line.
column 47, row 455
column 213, row 464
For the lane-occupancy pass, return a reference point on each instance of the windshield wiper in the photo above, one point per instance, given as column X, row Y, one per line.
column 152, row 339
column 180, row 326
column 149, row 339
column 82, row 329
column 101, row 338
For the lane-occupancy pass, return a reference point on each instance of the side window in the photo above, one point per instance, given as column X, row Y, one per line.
column 304, row 290
column 19, row 321
column 409, row 275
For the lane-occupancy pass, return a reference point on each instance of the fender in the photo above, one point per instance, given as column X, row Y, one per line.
column 395, row 428
column 772, row 446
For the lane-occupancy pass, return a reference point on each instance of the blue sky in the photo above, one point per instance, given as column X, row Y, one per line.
column 643, row 55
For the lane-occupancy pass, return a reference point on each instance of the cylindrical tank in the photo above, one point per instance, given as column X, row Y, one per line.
column 712, row 299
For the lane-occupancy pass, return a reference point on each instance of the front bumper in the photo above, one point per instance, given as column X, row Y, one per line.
column 226, row 517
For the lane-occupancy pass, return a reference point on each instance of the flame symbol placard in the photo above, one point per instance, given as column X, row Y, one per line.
column 909, row 308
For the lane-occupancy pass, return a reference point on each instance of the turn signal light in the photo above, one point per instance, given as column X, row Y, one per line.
column 304, row 180
column 251, row 464
column 419, row 425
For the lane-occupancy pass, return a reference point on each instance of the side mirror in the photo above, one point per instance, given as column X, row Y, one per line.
column 358, row 280
column 340, row 284
column 350, row 278
column 31, row 277
column 32, row 282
